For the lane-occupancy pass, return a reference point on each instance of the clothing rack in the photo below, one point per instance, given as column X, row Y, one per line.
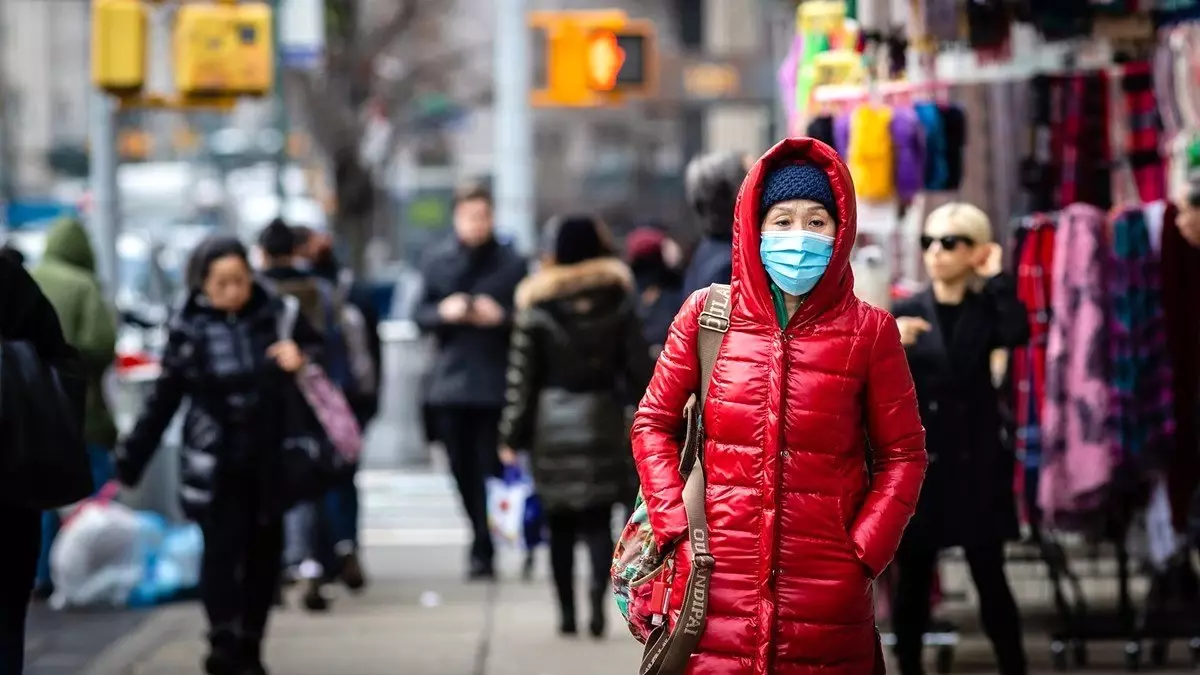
column 1135, row 621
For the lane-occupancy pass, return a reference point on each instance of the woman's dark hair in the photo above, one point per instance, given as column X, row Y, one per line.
column 711, row 183
column 13, row 253
column 573, row 238
column 278, row 240
column 209, row 251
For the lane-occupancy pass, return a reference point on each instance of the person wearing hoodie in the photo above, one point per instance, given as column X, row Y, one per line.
column 67, row 275
column 226, row 357
column 711, row 184
column 812, row 441
column 657, row 284
column 577, row 355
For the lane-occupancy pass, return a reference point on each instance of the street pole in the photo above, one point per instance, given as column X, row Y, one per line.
column 513, row 163
column 105, row 208
column 280, row 99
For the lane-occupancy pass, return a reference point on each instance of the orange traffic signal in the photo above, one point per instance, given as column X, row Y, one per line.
column 605, row 58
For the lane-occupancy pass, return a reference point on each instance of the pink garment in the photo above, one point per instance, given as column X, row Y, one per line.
column 1078, row 461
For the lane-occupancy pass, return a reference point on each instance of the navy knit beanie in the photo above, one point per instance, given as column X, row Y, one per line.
column 797, row 181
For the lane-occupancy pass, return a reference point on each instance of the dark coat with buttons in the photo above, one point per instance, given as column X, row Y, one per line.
column 968, row 494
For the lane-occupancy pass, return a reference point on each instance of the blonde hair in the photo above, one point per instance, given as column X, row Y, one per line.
column 965, row 219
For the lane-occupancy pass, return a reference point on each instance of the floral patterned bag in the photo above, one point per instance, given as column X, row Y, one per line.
column 640, row 571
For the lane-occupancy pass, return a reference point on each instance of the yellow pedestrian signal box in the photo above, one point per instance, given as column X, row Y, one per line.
column 223, row 50
column 119, row 46
column 591, row 58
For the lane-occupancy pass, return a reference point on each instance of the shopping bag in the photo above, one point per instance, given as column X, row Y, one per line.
column 100, row 555
column 507, row 497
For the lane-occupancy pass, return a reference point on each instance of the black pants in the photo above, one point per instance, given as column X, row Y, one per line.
column 916, row 566
column 240, row 570
column 18, row 567
column 472, row 438
column 594, row 528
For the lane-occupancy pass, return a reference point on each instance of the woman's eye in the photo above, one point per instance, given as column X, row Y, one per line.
column 782, row 222
column 816, row 224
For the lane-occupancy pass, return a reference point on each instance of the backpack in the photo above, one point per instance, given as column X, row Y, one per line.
column 348, row 360
column 641, row 574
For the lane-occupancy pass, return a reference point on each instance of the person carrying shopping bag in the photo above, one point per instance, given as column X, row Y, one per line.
column 224, row 354
column 950, row 331
column 811, row 452
column 577, row 351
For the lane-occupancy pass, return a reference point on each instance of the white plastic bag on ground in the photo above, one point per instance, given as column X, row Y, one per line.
column 99, row 556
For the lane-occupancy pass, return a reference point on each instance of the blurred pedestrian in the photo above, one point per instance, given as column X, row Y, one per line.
column 25, row 315
column 467, row 306
column 949, row 331
column 813, row 452
column 309, row 556
column 577, row 355
column 342, row 504
column 224, row 356
column 67, row 275
column 711, row 183
column 658, row 284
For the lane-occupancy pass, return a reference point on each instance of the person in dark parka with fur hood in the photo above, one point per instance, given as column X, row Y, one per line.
column 577, row 356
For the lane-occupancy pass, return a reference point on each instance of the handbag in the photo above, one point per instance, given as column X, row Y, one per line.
column 637, row 566
column 44, row 462
column 328, row 402
column 309, row 463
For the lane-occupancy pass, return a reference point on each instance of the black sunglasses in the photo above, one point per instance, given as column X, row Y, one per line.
column 948, row 242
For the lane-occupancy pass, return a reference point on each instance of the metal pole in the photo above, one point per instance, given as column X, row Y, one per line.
column 105, row 216
column 281, row 112
column 512, row 171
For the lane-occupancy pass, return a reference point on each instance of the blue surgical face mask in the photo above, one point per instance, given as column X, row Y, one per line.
column 795, row 260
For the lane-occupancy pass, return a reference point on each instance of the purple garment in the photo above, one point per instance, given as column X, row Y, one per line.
column 1077, row 458
column 908, row 143
column 787, row 76
column 841, row 134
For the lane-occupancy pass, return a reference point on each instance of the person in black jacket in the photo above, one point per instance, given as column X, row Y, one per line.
column 467, row 306
column 224, row 355
column 25, row 315
column 950, row 331
column 577, row 355
column 712, row 182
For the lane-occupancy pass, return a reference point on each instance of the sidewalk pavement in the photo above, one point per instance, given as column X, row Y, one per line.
column 416, row 621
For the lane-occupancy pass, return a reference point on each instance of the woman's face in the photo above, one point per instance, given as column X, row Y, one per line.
column 228, row 283
column 950, row 255
column 798, row 215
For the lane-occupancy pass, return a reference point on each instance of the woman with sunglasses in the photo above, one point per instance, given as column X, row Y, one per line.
column 949, row 332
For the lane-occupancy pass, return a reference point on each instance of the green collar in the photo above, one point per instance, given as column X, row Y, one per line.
column 781, row 313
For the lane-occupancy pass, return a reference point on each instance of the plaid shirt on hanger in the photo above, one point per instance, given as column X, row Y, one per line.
column 1034, row 263
column 1143, row 138
column 1142, row 415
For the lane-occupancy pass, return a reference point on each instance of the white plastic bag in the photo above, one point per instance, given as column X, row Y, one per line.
column 506, row 506
column 99, row 556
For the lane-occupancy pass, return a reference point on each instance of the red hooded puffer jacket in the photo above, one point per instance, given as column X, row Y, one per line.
column 799, row 524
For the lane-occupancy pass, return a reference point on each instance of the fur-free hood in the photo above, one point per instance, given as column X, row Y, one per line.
column 560, row 281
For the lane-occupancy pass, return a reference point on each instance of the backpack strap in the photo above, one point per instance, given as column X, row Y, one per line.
column 667, row 653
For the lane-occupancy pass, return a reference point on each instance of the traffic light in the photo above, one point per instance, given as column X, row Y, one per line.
column 223, row 50
column 591, row 59
column 119, row 46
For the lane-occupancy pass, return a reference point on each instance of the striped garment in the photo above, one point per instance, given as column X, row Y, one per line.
column 1034, row 263
column 1142, row 415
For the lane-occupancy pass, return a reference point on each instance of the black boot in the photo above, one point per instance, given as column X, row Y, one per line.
column 251, row 655
column 223, row 653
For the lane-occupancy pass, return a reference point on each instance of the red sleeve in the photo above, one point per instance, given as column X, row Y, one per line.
column 898, row 450
column 656, row 427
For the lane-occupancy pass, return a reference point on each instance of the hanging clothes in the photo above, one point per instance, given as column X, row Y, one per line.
column 937, row 174
column 909, row 145
column 1143, row 135
column 871, row 156
column 1034, row 264
column 821, row 128
column 1140, row 391
column 1085, row 173
column 1181, row 288
column 1038, row 169
column 1077, row 460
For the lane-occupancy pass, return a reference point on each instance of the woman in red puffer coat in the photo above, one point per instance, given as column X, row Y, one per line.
column 814, row 450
